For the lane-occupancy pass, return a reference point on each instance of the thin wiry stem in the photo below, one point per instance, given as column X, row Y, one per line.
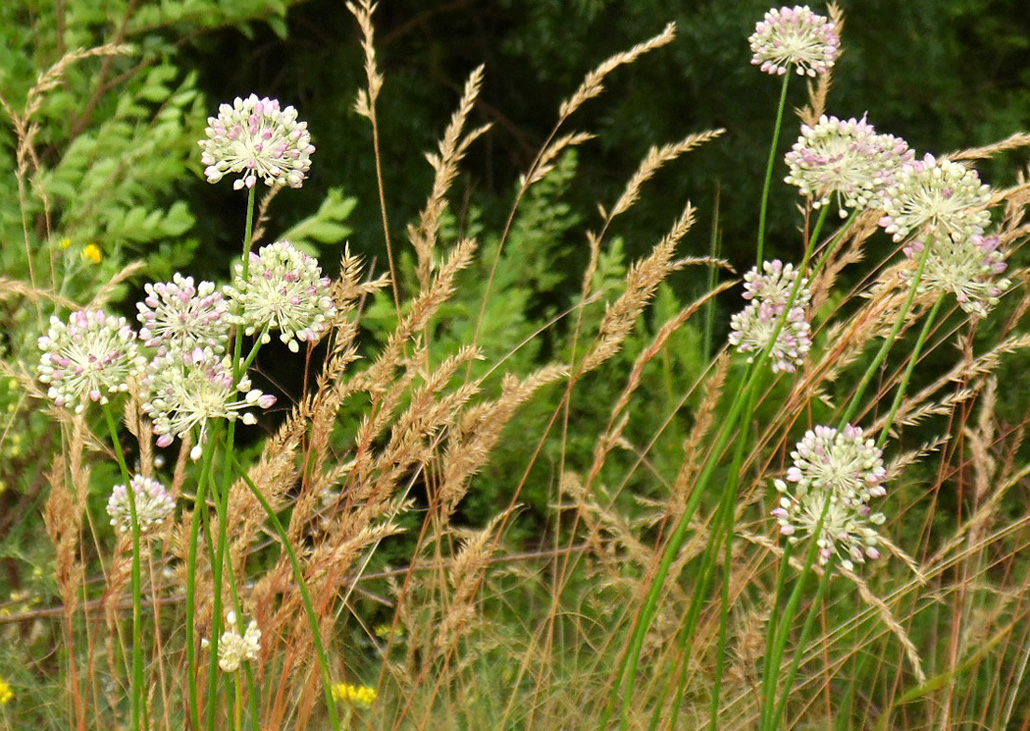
column 139, row 706
column 767, row 186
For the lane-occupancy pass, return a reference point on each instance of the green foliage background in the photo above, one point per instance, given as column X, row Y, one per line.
column 120, row 167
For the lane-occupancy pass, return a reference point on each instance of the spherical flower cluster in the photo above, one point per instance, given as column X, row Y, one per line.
column 257, row 139
column 88, row 358
column 827, row 491
column 153, row 504
column 360, row 696
column 284, row 290
column 185, row 390
column 753, row 328
column 179, row 316
column 936, row 198
column 848, row 160
column 794, row 36
column 234, row 648
column 967, row 267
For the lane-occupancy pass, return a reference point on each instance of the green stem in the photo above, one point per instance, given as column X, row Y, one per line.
column 903, row 385
column 139, row 711
column 874, row 366
column 802, row 643
column 628, row 664
column 238, row 706
column 781, row 628
column 248, row 233
column 199, row 510
column 298, row 574
column 222, row 500
column 729, row 517
column 769, row 167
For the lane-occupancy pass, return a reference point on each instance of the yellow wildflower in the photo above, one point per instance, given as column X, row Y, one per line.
column 6, row 694
column 361, row 696
column 65, row 243
column 93, row 253
column 385, row 631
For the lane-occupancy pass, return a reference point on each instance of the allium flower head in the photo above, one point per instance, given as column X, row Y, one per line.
column 179, row 316
column 153, row 504
column 827, row 491
column 257, row 139
column 969, row 268
column 234, row 648
column 848, row 160
column 754, row 326
column 88, row 358
column 284, row 290
column 186, row 390
column 843, row 462
column 794, row 36
column 937, row 198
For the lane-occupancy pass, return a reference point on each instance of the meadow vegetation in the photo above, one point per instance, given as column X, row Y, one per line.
column 435, row 482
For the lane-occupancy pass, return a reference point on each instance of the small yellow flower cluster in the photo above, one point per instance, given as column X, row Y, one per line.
column 361, row 696
column 93, row 253
column 386, row 631
column 6, row 694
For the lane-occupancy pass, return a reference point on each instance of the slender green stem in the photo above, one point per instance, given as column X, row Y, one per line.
column 729, row 517
column 248, row 233
column 714, row 245
column 628, row 664
column 888, row 342
column 221, row 506
column 298, row 574
column 139, row 711
column 199, row 511
column 802, row 643
column 222, row 499
column 238, row 705
column 767, row 187
column 780, row 626
column 907, row 376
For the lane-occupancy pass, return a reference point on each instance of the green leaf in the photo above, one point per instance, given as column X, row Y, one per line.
column 325, row 226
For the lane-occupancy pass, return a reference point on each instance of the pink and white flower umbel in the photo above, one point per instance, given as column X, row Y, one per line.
column 969, row 268
column 936, row 198
column 794, row 37
column 186, row 390
column 847, row 160
column 285, row 291
column 153, row 504
column 827, row 491
column 179, row 316
column 235, row 648
column 256, row 138
column 753, row 327
column 87, row 359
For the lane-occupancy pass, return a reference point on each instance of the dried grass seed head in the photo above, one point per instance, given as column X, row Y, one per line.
column 256, row 138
